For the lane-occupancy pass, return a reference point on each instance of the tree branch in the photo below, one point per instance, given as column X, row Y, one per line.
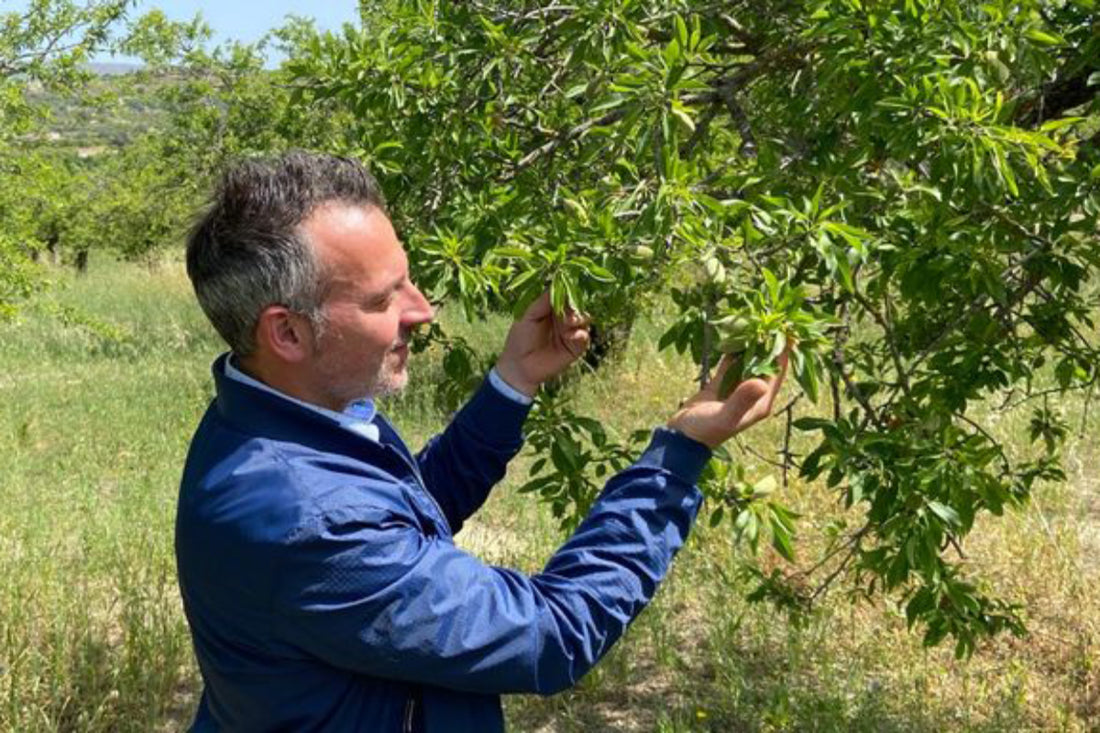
column 564, row 137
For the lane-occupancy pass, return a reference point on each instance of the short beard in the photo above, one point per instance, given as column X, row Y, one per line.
column 388, row 383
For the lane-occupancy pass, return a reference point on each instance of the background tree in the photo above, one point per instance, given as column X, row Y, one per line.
column 43, row 45
column 904, row 190
column 130, row 188
column 213, row 105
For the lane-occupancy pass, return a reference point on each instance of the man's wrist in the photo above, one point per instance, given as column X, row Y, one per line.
column 710, row 441
column 505, row 388
column 511, row 379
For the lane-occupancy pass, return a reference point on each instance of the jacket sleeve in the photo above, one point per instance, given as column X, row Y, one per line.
column 369, row 593
column 463, row 463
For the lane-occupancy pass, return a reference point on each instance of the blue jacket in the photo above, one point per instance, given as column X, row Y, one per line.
column 324, row 591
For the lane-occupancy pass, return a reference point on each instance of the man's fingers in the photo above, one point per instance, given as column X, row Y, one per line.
column 580, row 337
column 573, row 319
column 745, row 397
column 752, row 400
column 539, row 308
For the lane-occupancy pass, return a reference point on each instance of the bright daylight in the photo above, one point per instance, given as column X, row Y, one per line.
column 553, row 367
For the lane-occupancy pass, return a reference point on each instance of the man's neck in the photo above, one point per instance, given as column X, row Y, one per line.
column 283, row 380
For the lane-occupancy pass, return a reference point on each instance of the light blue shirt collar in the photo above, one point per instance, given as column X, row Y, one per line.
column 357, row 417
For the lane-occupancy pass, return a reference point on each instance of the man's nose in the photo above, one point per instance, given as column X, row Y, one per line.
column 419, row 310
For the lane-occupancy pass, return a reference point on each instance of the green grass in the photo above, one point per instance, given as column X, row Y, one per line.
column 93, row 431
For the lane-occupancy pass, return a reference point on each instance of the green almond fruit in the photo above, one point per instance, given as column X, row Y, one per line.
column 732, row 344
column 733, row 326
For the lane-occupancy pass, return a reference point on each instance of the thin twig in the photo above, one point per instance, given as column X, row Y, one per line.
column 1053, row 390
column 903, row 376
column 1085, row 411
column 752, row 451
column 789, row 410
column 836, row 550
column 853, row 550
column 564, row 137
column 708, row 313
column 1005, row 464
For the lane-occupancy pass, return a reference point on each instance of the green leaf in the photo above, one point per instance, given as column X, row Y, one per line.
column 807, row 377
column 1047, row 39
column 773, row 284
column 732, row 377
column 681, row 32
column 810, row 423
column 716, row 516
column 946, row 513
column 517, row 253
column 1051, row 125
column 781, row 541
column 602, row 274
column 559, row 296
column 683, row 116
column 669, row 337
column 764, row 487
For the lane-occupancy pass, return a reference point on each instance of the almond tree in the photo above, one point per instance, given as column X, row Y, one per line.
column 903, row 191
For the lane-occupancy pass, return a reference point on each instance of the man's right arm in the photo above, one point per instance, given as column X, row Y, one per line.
column 368, row 592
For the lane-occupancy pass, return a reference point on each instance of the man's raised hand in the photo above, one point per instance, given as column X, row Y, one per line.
column 712, row 421
column 541, row 345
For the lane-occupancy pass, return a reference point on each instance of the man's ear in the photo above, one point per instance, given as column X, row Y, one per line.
column 286, row 335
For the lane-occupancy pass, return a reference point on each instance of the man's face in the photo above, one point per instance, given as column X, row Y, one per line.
column 371, row 306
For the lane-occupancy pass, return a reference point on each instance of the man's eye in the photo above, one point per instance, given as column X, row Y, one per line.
column 380, row 302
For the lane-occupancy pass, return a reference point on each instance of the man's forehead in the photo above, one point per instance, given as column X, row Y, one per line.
column 349, row 238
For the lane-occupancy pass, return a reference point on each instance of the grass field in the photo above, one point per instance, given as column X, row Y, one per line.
column 93, row 433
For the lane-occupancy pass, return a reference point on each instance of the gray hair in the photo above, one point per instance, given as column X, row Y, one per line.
column 247, row 251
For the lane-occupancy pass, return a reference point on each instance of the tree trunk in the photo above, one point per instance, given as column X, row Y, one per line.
column 608, row 341
column 53, row 246
column 81, row 262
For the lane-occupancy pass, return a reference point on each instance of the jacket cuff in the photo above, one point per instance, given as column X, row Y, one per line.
column 496, row 417
column 672, row 451
column 508, row 390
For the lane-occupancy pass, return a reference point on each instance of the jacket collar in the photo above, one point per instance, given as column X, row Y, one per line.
column 264, row 414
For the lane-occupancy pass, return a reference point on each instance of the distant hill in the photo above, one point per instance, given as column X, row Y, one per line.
column 113, row 68
column 108, row 113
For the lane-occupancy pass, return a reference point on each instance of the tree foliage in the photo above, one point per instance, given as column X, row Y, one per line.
column 906, row 190
column 134, row 196
column 44, row 44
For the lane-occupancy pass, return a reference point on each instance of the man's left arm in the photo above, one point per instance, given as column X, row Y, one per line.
column 462, row 464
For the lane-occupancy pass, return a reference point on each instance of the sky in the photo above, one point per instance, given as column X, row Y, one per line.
column 247, row 21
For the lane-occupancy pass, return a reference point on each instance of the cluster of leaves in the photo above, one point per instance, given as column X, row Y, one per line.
column 911, row 186
column 904, row 193
column 753, row 512
column 575, row 456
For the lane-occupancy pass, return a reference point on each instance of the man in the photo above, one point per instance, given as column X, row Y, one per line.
column 315, row 551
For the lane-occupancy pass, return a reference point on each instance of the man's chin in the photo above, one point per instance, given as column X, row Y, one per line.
column 391, row 382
